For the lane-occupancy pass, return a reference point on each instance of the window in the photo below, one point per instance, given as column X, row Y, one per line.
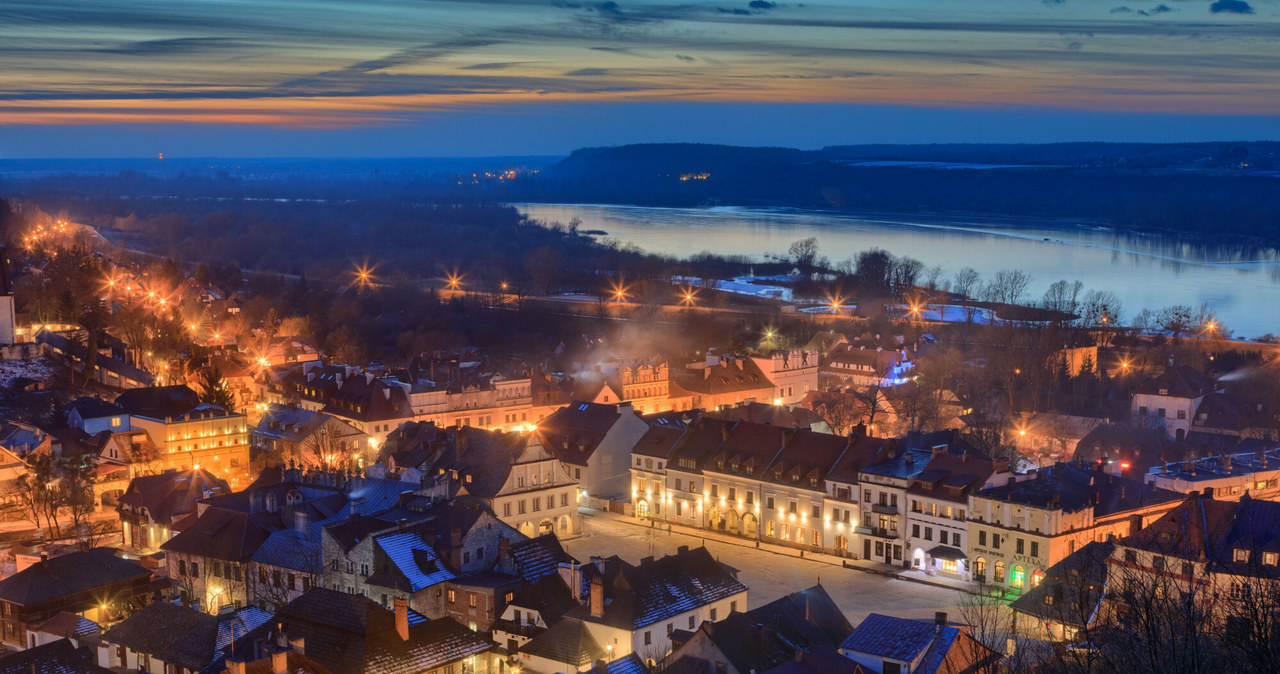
column 648, row 638
column 751, row 497
column 1186, row 568
column 1157, row 563
column 471, row 599
column 1131, row 556
column 995, row 541
column 182, row 571
column 293, row 582
column 453, row 595
column 364, row 569
column 866, row 496
column 715, row 491
column 195, row 569
column 1269, row 558
column 551, row 501
column 817, row 511
column 564, row 499
column 817, row 539
column 1019, row 546
column 713, row 615
column 955, row 539
column 768, row 503
column 982, row 538
column 733, row 494
column 791, row 507
column 506, row 510
column 1239, row 555
column 690, row 622
column 915, row 531
column 351, row 567
column 768, row 529
column 928, row 533
column 1035, row 548
column 520, row 506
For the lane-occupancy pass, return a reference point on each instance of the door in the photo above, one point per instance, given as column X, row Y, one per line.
column 866, row 548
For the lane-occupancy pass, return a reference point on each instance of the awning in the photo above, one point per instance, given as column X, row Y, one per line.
column 947, row 552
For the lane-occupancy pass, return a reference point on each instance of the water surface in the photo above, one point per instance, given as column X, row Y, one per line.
column 1240, row 282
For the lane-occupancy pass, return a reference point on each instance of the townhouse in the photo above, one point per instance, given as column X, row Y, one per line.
column 938, row 502
column 524, row 484
column 1017, row 531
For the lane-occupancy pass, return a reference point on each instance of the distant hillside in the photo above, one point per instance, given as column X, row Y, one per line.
column 1190, row 187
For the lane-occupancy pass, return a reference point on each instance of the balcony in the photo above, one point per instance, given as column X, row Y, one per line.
column 884, row 533
column 884, row 509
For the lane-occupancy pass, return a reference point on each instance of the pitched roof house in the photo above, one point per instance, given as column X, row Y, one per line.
column 884, row 643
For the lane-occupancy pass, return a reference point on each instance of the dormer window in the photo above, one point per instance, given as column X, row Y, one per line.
column 1164, row 391
column 1240, row 555
column 1270, row 558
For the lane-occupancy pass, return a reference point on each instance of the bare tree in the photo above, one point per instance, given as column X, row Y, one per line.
column 840, row 411
column 803, row 252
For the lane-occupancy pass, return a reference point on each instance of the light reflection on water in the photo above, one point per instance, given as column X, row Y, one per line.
column 1240, row 282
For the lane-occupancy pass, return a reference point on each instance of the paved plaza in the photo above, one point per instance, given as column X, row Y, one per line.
column 768, row 574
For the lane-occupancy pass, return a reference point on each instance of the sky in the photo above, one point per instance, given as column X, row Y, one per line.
column 132, row 78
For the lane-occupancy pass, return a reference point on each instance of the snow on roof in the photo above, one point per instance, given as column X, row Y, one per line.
column 415, row 559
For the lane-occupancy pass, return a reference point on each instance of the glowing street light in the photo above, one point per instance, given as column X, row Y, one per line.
column 455, row 280
column 688, row 296
column 619, row 292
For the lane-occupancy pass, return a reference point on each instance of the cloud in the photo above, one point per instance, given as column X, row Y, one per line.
column 502, row 65
column 761, row 5
column 1158, row 9
column 683, row 57
column 186, row 45
column 1121, row 10
column 1231, row 7
column 587, row 72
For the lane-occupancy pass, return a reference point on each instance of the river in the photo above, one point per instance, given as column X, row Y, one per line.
column 1241, row 283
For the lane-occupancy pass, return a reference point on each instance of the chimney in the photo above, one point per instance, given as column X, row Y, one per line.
column 624, row 407
column 455, row 537
column 279, row 661
column 402, row 618
column 597, row 597
column 354, row 503
column 299, row 645
column 235, row 666
column 460, row 440
column 300, row 522
column 44, row 559
column 940, row 619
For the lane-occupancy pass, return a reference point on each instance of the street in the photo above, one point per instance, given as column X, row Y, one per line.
column 767, row 574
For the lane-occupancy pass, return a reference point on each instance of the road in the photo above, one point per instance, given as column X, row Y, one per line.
column 767, row 574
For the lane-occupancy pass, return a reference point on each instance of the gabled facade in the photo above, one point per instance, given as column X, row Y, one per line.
column 153, row 505
column 594, row 443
